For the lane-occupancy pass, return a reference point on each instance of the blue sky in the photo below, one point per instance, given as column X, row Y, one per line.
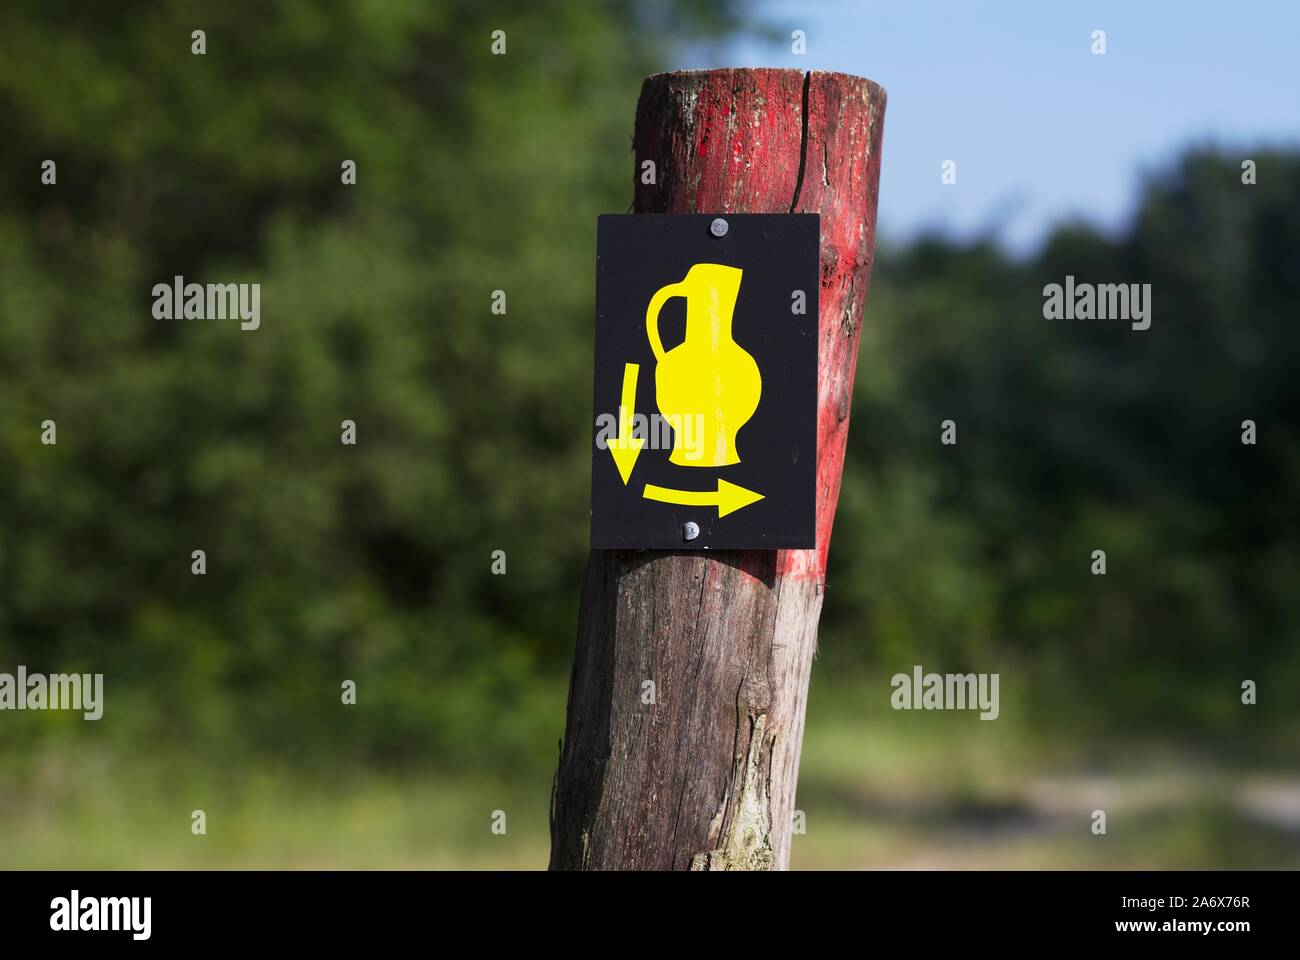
column 1042, row 129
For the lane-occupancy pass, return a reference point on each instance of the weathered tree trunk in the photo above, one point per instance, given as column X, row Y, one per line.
column 704, row 777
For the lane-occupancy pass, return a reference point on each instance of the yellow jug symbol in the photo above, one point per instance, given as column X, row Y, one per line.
column 708, row 386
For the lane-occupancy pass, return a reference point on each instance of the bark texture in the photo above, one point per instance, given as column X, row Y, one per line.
column 704, row 778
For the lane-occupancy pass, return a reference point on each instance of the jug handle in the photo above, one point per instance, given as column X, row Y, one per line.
column 662, row 296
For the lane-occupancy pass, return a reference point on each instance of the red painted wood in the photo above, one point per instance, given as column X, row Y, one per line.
column 731, row 141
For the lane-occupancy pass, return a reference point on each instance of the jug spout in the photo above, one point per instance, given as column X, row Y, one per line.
column 709, row 312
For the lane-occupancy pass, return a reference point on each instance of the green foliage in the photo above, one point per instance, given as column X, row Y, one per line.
column 1076, row 435
column 477, row 173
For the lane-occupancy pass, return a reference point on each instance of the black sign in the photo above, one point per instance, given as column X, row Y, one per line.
column 705, row 430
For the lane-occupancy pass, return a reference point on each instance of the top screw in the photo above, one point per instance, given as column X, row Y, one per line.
column 718, row 227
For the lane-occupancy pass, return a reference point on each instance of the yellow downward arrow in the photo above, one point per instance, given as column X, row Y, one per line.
column 625, row 448
column 728, row 498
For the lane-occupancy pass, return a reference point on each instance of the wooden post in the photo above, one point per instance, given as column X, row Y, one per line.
column 704, row 777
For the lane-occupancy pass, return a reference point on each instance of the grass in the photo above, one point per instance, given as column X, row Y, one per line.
column 878, row 789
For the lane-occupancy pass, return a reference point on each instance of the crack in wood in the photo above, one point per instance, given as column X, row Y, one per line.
column 803, row 145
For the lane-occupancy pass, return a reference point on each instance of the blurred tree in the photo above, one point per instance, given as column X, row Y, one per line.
column 478, row 173
column 474, row 172
column 1076, row 435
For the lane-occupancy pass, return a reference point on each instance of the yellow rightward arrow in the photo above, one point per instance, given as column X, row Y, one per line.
column 625, row 448
column 728, row 498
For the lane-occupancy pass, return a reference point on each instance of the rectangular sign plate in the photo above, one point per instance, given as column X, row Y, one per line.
column 705, row 428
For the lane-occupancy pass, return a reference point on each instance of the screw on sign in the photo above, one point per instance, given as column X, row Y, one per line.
column 725, row 463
